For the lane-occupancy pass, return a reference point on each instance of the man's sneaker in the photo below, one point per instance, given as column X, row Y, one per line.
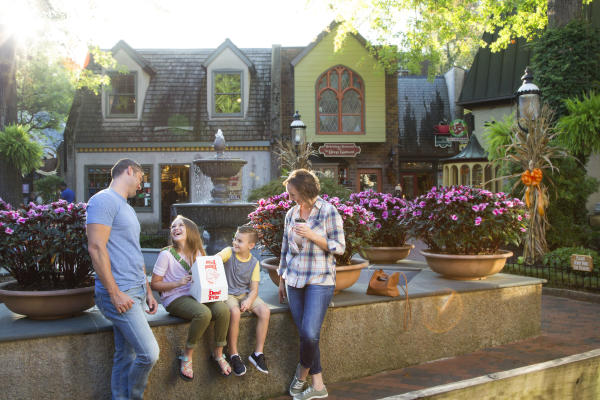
column 297, row 386
column 259, row 362
column 311, row 393
column 238, row 365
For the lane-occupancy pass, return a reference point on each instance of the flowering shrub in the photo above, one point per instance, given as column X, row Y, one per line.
column 45, row 246
column 386, row 231
column 465, row 220
column 269, row 218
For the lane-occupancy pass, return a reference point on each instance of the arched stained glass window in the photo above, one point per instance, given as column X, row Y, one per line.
column 340, row 102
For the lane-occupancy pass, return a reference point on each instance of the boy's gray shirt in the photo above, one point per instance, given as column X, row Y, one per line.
column 109, row 208
column 239, row 274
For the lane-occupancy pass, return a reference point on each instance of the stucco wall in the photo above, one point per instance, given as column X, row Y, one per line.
column 483, row 115
column 254, row 174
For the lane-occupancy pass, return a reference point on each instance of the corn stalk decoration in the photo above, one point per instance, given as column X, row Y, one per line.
column 294, row 157
column 532, row 150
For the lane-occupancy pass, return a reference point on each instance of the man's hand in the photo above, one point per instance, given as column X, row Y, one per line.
column 121, row 301
column 152, row 303
column 282, row 292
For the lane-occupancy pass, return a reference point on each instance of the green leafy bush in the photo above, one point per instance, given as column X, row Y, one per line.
column 19, row 150
column 561, row 257
column 275, row 187
column 48, row 187
column 154, row 240
column 580, row 128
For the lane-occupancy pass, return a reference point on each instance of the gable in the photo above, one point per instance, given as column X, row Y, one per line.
column 310, row 65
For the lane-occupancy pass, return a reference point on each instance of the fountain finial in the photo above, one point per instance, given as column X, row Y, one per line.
column 219, row 143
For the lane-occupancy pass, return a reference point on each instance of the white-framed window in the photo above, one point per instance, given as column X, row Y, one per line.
column 121, row 95
column 227, row 96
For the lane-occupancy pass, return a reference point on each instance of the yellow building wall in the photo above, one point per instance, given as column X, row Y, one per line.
column 356, row 57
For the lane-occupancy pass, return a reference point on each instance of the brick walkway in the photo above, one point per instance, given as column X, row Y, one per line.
column 568, row 327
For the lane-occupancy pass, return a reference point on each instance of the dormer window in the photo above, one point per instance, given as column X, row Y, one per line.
column 227, row 93
column 121, row 99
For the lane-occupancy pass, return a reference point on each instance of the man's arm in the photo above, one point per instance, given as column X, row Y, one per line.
column 98, row 235
column 150, row 300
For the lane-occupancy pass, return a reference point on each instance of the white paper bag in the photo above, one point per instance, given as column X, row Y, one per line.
column 209, row 282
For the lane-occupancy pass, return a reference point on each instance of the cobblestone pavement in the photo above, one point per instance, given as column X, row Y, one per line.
column 568, row 327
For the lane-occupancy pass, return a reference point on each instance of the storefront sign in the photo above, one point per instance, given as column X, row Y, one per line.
column 339, row 150
column 441, row 141
column 582, row 262
column 458, row 131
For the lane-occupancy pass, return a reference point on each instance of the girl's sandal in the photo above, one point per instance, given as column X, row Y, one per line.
column 222, row 365
column 185, row 368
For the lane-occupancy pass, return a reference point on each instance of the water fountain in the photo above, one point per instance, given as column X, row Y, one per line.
column 221, row 216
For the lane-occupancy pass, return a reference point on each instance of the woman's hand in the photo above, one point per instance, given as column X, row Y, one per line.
column 282, row 292
column 304, row 231
column 184, row 280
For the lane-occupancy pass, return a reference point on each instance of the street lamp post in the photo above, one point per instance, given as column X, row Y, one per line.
column 528, row 99
column 298, row 130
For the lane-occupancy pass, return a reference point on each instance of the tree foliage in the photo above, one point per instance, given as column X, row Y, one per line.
column 444, row 32
column 566, row 63
column 17, row 147
column 580, row 127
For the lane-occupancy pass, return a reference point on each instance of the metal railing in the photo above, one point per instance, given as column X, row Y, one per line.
column 558, row 276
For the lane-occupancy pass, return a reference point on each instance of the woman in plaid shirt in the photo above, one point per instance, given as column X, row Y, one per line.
column 313, row 234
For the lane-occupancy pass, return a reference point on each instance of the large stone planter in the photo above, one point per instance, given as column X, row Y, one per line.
column 345, row 275
column 386, row 255
column 48, row 304
column 466, row 267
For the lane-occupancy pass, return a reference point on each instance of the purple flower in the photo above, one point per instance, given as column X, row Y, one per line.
column 8, row 230
column 21, row 220
column 378, row 225
column 475, row 208
column 453, row 217
column 384, row 215
column 416, row 213
column 422, row 204
column 477, row 221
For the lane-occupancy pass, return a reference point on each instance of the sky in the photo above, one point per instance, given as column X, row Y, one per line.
column 175, row 23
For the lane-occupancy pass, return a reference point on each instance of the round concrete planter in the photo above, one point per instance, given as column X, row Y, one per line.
column 466, row 267
column 48, row 304
column 386, row 255
column 345, row 275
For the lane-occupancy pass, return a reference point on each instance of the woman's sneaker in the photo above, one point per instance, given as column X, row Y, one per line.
column 297, row 386
column 259, row 362
column 311, row 393
column 238, row 365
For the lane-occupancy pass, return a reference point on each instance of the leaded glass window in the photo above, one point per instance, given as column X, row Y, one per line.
column 340, row 99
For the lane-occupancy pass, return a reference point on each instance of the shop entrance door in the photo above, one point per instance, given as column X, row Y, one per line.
column 369, row 178
column 174, row 188
column 416, row 184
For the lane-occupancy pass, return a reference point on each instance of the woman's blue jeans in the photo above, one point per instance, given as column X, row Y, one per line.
column 308, row 306
column 136, row 349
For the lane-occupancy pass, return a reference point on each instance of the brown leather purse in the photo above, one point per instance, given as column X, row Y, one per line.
column 382, row 284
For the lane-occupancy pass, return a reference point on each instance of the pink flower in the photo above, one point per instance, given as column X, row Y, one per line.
column 59, row 210
column 519, row 218
column 475, row 208
column 523, row 230
column 8, row 231
column 21, row 220
column 477, row 221
column 453, row 217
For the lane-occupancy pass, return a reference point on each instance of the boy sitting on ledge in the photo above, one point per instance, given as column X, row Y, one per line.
column 243, row 275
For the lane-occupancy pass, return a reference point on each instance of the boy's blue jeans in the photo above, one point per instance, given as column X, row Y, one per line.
column 136, row 349
column 308, row 306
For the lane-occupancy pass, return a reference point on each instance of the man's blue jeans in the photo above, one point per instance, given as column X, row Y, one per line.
column 308, row 306
column 136, row 349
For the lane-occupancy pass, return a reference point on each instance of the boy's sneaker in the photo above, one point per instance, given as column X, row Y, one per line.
column 297, row 386
column 311, row 393
column 238, row 365
column 259, row 362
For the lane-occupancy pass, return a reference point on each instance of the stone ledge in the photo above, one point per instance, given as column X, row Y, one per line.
column 362, row 335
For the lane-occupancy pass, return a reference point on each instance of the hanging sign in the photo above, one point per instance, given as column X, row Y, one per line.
column 458, row 131
column 441, row 141
column 339, row 150
column 582, row 262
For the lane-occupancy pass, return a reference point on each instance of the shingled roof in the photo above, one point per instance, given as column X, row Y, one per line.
column 421, row 105
column 472, row 152
column 176, row 98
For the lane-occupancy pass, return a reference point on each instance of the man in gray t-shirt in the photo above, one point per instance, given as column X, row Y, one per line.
column 113, row 232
